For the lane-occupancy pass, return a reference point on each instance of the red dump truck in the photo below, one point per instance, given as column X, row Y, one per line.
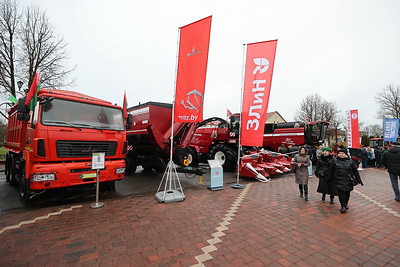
column 149, row 138
column 51, row 146
column 217, row 138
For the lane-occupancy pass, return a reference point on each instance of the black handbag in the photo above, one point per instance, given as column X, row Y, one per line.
column 353, row 180
column 293, row 169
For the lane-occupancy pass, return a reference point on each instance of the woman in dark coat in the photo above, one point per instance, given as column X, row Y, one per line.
column 302, row 161
column 325, row 186
column 341, row 170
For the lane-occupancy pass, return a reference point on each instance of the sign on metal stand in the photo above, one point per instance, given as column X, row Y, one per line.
column 217, row 175
column 97, row 164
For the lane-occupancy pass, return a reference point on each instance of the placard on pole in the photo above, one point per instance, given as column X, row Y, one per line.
column 97, row 164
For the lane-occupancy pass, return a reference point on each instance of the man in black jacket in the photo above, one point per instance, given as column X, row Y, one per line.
column 391, row 161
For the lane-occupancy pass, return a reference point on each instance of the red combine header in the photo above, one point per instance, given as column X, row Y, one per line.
column 51, row 146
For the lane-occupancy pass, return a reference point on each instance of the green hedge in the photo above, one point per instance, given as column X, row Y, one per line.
column 3, row 152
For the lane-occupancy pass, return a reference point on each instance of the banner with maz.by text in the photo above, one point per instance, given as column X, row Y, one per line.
column 390, row 129
column 260, row 58
column 353, row 133
column 192, row 68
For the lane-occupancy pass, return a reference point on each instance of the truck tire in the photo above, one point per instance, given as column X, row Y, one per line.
column 23, row 186
column 159, row 164
column 193, row 157
column 130, row 166
column 225, row 155
column 107, row 186
column 7, row 167
column 13, row 171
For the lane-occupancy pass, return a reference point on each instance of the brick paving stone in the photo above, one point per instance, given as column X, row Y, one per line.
column 271, row 227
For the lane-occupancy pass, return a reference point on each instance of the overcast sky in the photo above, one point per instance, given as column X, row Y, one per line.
column 344, row 50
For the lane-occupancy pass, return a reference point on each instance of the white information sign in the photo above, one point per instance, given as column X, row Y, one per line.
column 98, row 161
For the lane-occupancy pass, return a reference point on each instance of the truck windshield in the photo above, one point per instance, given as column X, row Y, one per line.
column 60, row 112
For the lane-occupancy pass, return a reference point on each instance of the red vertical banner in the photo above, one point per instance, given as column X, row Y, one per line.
column 192, row 68
column 260, row 58
column 353, row 133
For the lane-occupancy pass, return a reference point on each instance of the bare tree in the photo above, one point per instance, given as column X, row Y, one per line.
column 28, row 44
column 9, row 20
column 314, row 108
column 389, row 102
column 374, row 130
column 42, row 50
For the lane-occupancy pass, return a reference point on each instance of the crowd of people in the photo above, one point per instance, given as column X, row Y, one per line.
column 372, row 156
column 339, row 174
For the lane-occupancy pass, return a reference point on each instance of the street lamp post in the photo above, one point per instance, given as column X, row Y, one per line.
column 20, row 83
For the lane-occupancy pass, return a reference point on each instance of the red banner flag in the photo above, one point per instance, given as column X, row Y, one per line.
column 31, row 98
column 353, row 133
column 192, row 68
column 257, row 85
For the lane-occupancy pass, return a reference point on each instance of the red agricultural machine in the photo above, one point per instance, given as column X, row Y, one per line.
column 149, row 138
column 215, row 138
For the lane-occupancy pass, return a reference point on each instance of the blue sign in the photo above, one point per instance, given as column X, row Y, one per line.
column 390, row 129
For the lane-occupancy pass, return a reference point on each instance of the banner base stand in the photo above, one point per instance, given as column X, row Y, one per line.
column 97, row 205
column 215, row 188
column 173, row 191
column 170, row 196
column 237, row 186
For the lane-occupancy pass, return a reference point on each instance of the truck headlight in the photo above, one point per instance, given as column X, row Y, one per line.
column 120, row 170
column 43, row 177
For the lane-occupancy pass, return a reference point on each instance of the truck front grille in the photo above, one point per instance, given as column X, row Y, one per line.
column 81, row 149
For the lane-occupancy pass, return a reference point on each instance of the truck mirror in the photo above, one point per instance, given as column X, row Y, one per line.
column 23, row 117
column 22, row 108
column 129, row 121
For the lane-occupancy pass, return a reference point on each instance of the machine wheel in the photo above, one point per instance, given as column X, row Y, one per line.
column 24, row 189
column 130, row 166
column 193, row 157
column 13, row 181
column 225, row 155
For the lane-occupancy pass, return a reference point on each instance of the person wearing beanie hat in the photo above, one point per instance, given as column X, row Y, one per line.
column 391, row 161
column 341, row 171
column 325, row 186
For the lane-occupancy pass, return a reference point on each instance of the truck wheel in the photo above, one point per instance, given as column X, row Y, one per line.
column 147, row 167
column 7, row 168
column 159, row 164
column 193, row 158
column 225, row 155
column 130, row 166
column 24, row 189
column 107, row 186
column 13, row 172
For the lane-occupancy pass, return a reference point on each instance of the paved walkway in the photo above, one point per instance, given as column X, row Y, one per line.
column 265, row 224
